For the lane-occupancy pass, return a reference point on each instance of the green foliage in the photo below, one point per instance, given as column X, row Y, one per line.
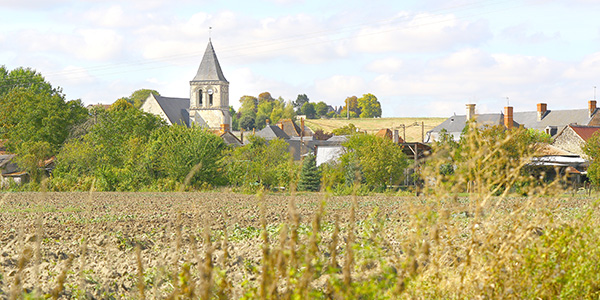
column 591, row 148
column 180, row 153
column 138, row 97
column 247, row 122
column 379, row 160
column 121, row 104
column 249, row 104
column 32, row 110
column 352, row 104
column 265, row 97
column 321, row 109
column 300, row 101
column 235, row 121
column 369, row 106
column 310, row 177
column 112, row 151
column 308, row 109
column 260, row 163
column 30, row 156
column 349, row 129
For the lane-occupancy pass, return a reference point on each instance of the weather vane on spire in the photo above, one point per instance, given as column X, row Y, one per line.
column 209, row 32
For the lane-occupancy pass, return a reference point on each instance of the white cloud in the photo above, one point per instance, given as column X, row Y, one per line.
column 340, row 87
column 95, row 44
column 386, row 65
column 421, row 33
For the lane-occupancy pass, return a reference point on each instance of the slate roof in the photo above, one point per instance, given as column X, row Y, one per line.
column 271, row 132
column 231, row 139
column 209, row 69
column 176, row 109
column 553, row 118
column 458, row 123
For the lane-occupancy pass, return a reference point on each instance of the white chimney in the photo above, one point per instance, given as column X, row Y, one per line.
column 470, row 111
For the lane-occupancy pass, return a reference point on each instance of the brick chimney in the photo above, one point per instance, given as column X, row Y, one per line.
column 592, row 107
column 508, row 117
column 470, row 111
column 541, row 110
column 281, row 125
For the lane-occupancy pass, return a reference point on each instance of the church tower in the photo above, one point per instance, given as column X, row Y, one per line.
column 209, row 94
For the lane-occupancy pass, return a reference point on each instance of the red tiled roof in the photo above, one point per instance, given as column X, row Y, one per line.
column 585, row 132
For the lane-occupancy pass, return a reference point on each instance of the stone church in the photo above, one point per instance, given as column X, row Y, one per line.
column 208, row 105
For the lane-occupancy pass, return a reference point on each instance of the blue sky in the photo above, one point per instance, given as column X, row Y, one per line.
column 420, row 58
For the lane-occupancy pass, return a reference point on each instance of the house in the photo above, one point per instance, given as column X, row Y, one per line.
column 542, row 119
column 299, row 145
column 293, row 130
column 208, row 104
column 573, row 137
column 329, row 150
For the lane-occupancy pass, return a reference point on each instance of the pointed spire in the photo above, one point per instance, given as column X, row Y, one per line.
column 209, row 67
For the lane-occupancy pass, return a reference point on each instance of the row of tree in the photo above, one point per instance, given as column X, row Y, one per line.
column 125, row 149
column 255, row 111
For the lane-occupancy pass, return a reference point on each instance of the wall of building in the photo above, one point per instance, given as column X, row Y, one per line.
column 569, row 141
column 152, row 106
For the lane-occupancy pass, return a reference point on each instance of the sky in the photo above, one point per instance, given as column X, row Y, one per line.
column 424, row 58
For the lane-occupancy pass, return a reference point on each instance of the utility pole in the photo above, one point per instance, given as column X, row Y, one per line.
column 403, row 132
column 422, row 132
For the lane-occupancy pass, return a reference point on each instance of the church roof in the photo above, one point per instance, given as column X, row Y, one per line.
column 176, row 109
column 209, row 67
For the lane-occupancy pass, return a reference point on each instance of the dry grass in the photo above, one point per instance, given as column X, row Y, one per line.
column 221, row 245
column 412, row 125
column 485, row 244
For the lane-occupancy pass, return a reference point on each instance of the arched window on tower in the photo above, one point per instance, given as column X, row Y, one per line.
column 199, row 97
column 210, row 97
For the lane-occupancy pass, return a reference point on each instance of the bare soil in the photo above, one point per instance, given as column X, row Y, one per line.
column 92, row 238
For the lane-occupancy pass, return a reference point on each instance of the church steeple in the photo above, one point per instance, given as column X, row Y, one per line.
column 209, row 94
column 209, row 69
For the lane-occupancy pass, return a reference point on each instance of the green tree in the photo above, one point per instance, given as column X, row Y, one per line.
column 591, row 148
column 310, row 176
column 247, row 122
column 349, row 129
column 260, row 163
column 352, row 104
column 30, row 157
column 276, row 115
column 288, row 111
column 37, row 115
column 121, row 104
column 321, row 109
column 300, row 101
column 380, row 161
column 235, row 120
column 265, row 97
column 248, row 104
column 138, row 97
column 113, row 151
column 308, row 109
column 369, row 106
column 178, row 152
